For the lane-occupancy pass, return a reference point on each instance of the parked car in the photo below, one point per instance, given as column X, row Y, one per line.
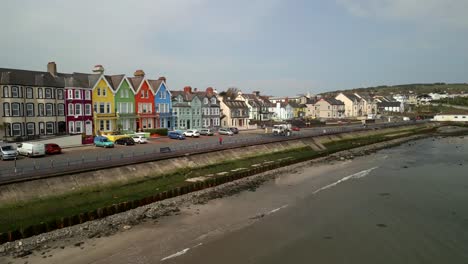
column 140, row 139
column 295, row 128
column 225, row 131
column 52, row 148
column 206, row 132
column 176, row 135
column 31, row 149
column 234, row 130
column 8, row 151
column 192, row 133
column 101, row 141
column 127, row 141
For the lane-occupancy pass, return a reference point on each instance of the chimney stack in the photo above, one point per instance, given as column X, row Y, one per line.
column 98, row 69
column 187, row 89
column 162, row 78
column 52, row 68
column 257, row 93
column 209, row 91
column 139, row 73
column 195, row 89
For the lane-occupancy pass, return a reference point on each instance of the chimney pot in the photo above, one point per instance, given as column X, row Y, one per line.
column 139, row 73
column 98, row 69
column 162, row 78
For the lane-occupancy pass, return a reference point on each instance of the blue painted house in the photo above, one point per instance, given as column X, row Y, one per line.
column 162, row 103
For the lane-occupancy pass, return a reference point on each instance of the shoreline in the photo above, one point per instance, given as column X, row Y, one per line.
column 114, row 224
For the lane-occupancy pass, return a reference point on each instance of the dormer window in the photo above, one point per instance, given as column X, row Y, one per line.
column 205, row 100
column 213, row 100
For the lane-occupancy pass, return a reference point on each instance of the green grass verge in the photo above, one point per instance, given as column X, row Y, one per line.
column 15, row 216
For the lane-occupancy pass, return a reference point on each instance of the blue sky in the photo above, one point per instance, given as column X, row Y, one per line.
column 274, row 46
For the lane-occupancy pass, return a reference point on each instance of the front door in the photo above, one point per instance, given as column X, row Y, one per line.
column 188, row 124
column 88, row 128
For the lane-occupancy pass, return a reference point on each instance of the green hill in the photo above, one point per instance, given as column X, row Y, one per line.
column 417, row 88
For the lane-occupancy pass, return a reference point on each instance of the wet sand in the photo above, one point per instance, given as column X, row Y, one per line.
column 402, row 205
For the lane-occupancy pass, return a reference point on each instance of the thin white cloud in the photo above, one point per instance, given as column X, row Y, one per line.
column 447, row 13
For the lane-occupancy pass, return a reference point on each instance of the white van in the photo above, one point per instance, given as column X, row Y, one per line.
column 31, row 149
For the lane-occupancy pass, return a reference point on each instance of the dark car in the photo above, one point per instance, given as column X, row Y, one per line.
column 234, row 130
column 52, row 148
column 125, row 141
column 176, row 135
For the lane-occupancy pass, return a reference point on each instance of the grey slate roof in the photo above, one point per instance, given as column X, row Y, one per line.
column 235, row 104
column 81, row 80
column 114, row 80
column 31, row 78
column 333, row 101
column 154, row 84
column 352, row 97
column 136, row 82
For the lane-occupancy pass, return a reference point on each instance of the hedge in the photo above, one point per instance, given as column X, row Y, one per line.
column 159, row 131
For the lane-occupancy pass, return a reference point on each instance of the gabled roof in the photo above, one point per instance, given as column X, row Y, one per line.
column 154, row 85
column 137, row 82
column 31, row 78
column 114, row 80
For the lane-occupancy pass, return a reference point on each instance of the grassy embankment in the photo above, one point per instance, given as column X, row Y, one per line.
column 21, row 215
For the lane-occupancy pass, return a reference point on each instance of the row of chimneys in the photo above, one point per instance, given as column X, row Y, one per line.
column 188, row 89
column 52, row 69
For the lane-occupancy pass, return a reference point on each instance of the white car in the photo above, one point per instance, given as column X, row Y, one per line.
column 140, row 139
column 192, row 133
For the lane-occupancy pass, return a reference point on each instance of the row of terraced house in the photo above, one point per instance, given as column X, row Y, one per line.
column 36, row 104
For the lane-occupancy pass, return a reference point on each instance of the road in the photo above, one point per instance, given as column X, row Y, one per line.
column 90, row 157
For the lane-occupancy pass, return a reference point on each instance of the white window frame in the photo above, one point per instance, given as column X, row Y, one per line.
column 77, row 94
column 88, row 110
column 71, row 110
column 78, row 109
column 29, row 109
column 60, row 109
column 18, row 129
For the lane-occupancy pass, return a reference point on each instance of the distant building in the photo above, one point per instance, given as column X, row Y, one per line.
column 326, row 108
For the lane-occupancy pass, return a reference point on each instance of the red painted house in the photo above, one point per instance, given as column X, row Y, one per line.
column 144, row 102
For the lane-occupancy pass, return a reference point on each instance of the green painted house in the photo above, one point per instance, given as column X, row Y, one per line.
column 125, row 107
column 187, row 109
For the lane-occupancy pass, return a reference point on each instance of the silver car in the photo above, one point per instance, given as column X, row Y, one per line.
column 206, row 132
column 225, row 131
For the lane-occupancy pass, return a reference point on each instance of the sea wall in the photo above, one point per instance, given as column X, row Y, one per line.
column 41, row 188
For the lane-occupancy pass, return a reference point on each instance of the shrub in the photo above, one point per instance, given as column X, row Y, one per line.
column 159, row 131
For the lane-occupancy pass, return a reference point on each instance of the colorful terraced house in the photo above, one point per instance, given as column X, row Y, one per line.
column 162, row 103
column 125, row 107
column 144, row 101
column 104, row 111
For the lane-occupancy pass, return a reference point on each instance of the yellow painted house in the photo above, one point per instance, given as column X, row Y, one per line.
column 104, row 110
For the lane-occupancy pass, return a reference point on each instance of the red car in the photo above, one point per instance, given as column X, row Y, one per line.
column 52, row 148
column 295, row 128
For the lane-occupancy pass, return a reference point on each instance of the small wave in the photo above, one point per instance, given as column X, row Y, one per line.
column 180, row 253
column 356, row 175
